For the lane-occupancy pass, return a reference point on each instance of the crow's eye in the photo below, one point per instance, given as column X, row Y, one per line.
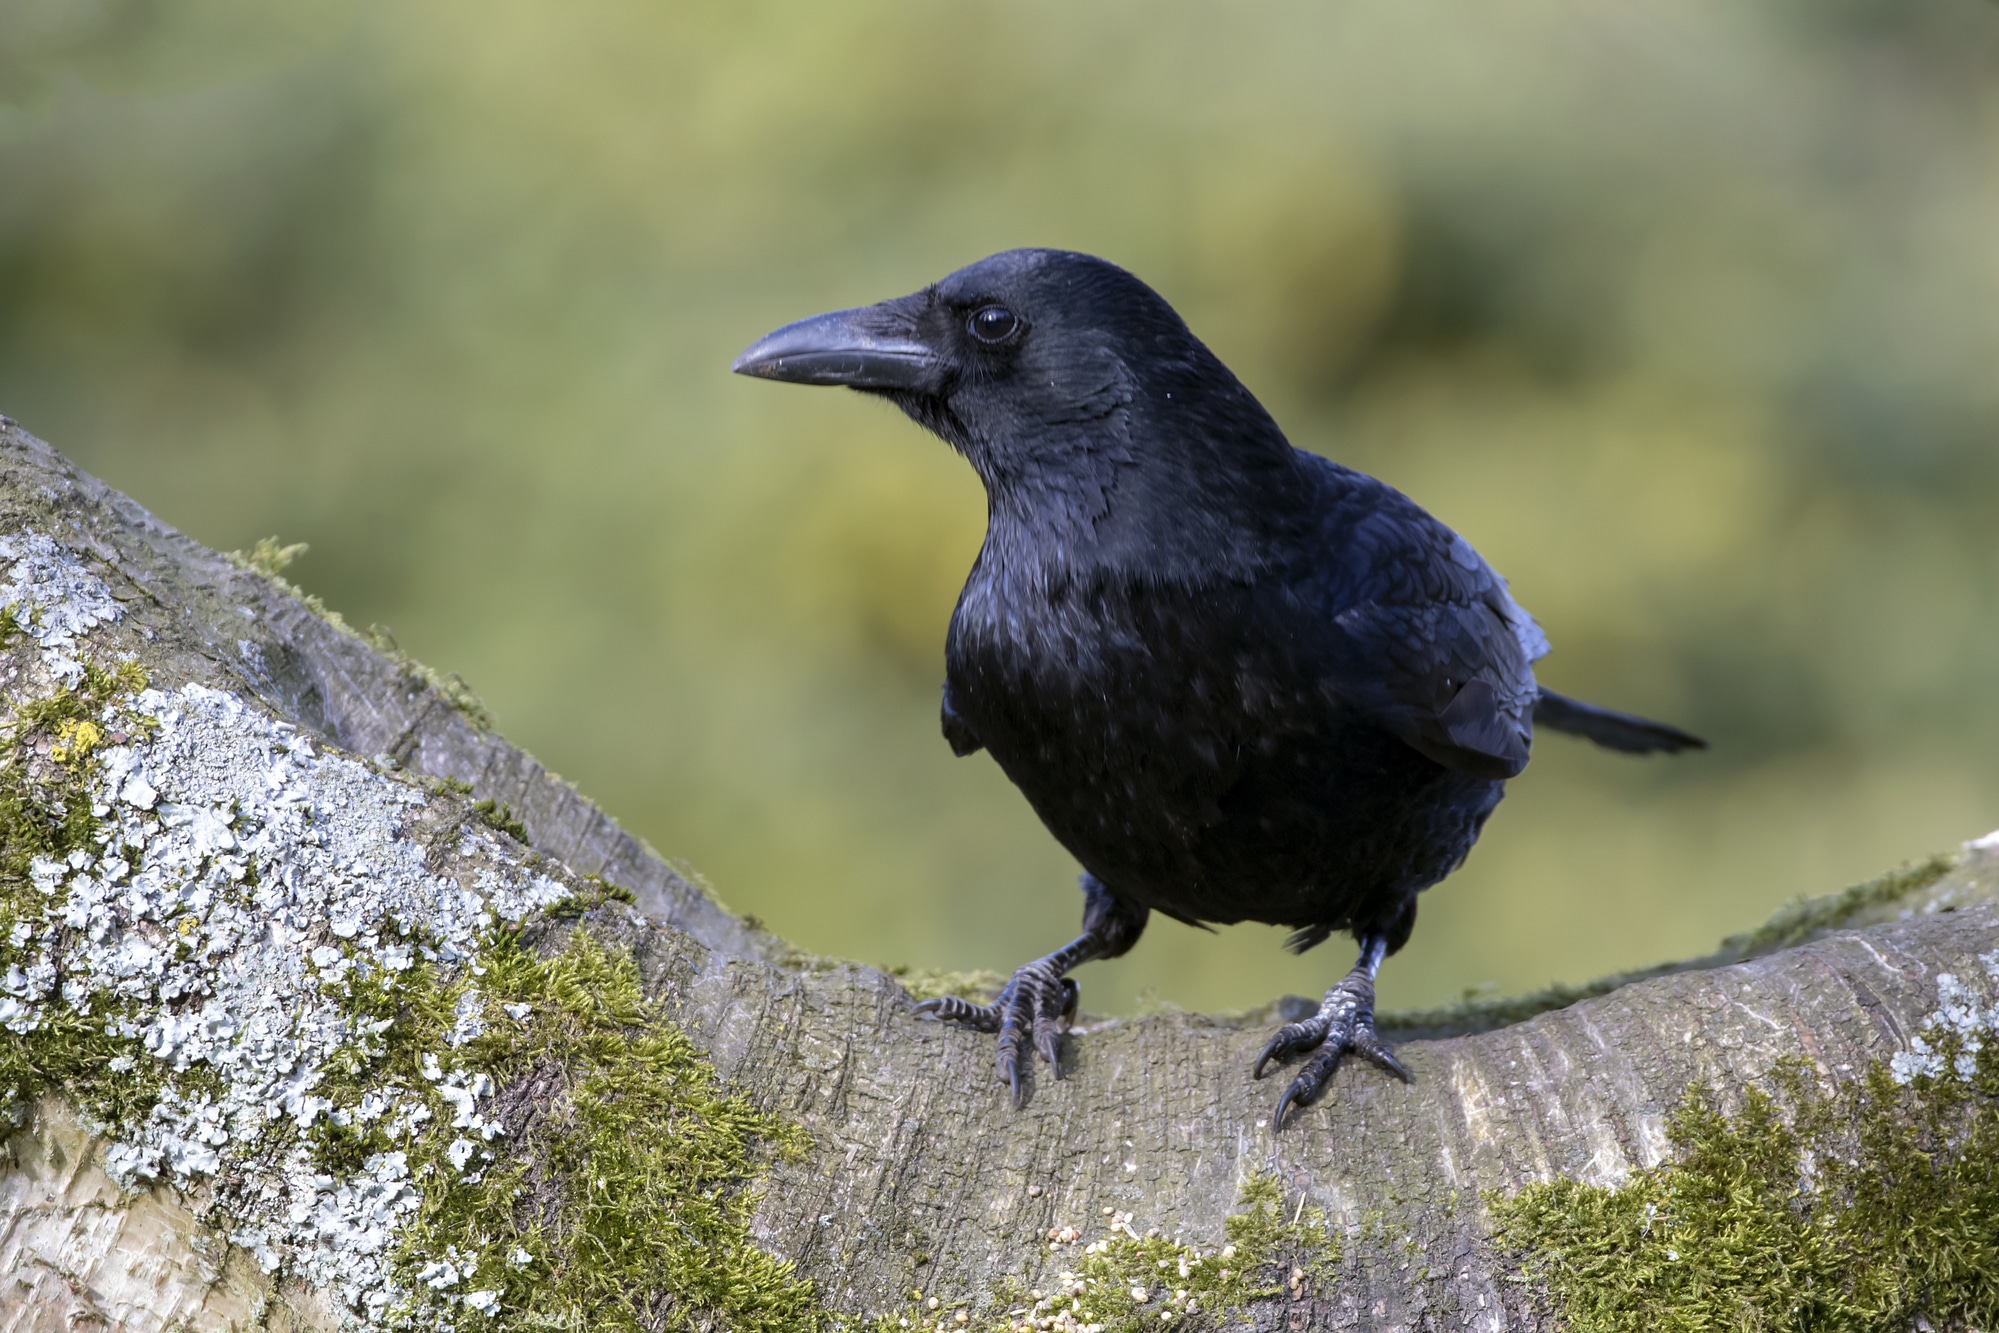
column 994, row 324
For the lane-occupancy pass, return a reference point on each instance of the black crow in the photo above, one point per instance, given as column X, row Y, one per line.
column 1237, row 681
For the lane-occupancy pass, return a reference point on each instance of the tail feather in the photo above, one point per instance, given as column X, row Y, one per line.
column 1613, row 731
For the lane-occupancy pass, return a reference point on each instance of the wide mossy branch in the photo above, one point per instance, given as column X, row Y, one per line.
column 324, row 1006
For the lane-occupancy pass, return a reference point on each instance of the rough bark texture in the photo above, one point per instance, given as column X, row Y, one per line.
column 920, row 1176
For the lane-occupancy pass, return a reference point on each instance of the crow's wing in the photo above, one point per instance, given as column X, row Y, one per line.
column 1428, row 643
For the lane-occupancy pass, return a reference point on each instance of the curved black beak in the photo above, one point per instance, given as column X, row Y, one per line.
column 868, row 348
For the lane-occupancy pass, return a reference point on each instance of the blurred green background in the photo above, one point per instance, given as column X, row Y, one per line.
column 1686, row 314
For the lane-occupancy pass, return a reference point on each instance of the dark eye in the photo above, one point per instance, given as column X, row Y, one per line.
column 994, row 324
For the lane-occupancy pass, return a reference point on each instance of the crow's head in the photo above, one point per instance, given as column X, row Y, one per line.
column 1073, row 388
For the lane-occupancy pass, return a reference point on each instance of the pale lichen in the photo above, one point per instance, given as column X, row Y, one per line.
column 236, row 886
column 295, row 987
column 53, row 599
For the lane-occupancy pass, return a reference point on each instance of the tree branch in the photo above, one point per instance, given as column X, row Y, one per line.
column 911, row 1174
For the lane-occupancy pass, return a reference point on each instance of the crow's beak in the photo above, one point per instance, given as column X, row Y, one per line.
column 868, row 348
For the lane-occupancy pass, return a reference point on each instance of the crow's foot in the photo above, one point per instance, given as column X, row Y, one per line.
column 1037, row 1003
column 1344, row 1023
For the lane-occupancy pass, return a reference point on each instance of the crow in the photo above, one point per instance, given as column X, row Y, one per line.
column 1237, row 681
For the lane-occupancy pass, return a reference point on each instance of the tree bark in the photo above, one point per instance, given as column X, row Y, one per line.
column 920, row 1176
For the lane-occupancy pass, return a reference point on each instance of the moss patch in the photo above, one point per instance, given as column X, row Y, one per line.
column 1793, row 924
column 1804, row 918
column 269, row 557
column 567, row 1156
column 605, row 1181
column 1125, row 1281
column 621, row 1198
column 501, row 819
column 1867, row 1207
column 928, row 983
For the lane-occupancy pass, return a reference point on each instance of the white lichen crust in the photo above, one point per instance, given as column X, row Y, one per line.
column 1962, row 1022
column 53, row 598
column 242, row 881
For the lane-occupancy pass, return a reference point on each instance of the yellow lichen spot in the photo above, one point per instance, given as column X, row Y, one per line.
column 75, row 739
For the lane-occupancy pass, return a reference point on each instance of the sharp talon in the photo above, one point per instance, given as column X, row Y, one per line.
column 1294, row 1094
column 1264, row 1059
column 1311, row 1081
column 1058, row 1007
column 1046, row 1037
column 1291, row 1041
column 1366, row 1044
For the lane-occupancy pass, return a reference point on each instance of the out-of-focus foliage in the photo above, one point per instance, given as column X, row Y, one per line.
column 1686, row 314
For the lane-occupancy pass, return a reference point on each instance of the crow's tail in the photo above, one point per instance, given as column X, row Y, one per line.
column 1613, row 731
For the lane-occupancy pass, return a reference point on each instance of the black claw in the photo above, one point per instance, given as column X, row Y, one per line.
column 1311, row 1081
column 1365, row 1043
column 1023, row 1016
column 1292, row 1040
column 1269, row 1052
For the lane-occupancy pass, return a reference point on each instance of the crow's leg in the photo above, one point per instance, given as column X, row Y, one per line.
column 1040, row 999
column 1345, row 1022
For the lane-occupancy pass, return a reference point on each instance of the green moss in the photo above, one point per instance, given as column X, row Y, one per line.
column 1804, row 918
column 622, row 1198
column 45, row 811
column 928, row 983
column 1868, row 1207
column 590, row 893
column 1126, row 1281
column 269, row 556
column 621, row 1201
column 1793, row 924
column 492, row 814
column 501, row 818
